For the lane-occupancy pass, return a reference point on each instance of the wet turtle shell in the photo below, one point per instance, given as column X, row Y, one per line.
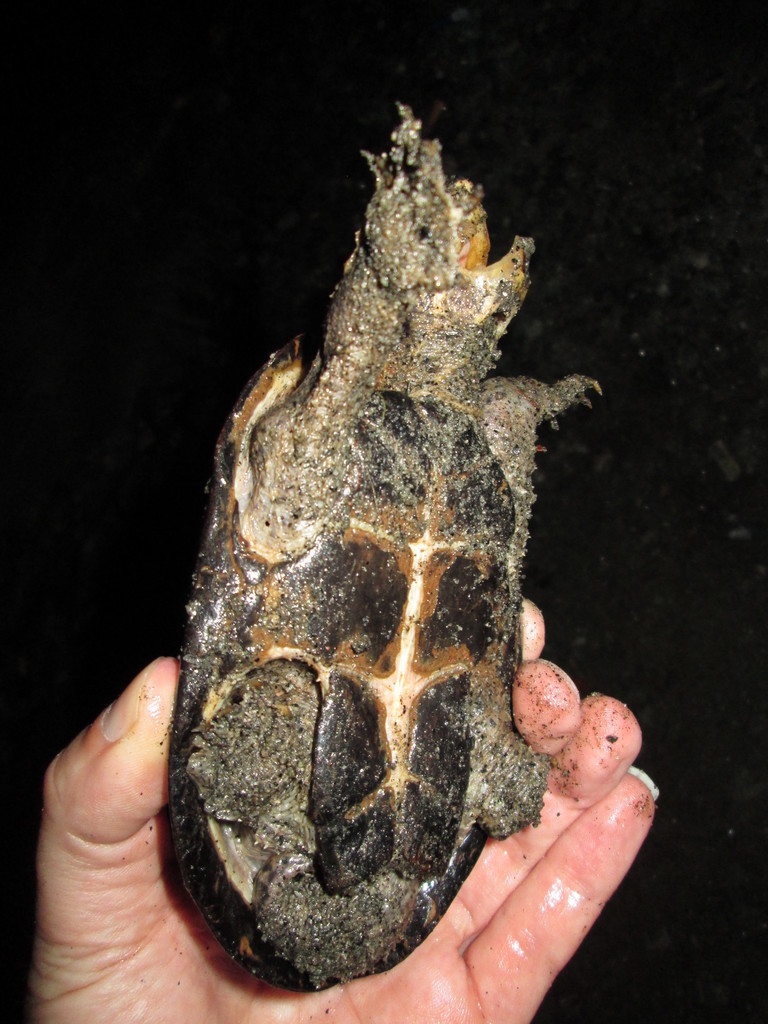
column 343, row 740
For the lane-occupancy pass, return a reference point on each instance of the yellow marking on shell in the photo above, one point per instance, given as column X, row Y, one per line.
column 274, row 387
column 369, row 530
column 398, row 691
column 280, row 652
column 218, row 695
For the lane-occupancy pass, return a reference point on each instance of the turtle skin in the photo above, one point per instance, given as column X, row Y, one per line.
column 343, row 742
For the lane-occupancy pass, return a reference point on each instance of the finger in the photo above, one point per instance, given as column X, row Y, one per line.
column 606, row 743
column 592, row 763
column 531, row 630
column 605, row 740
column 516, row 958
column 112, row 779
column 545, row 706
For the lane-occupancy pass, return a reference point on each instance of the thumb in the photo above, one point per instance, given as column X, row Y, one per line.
column 112, row 779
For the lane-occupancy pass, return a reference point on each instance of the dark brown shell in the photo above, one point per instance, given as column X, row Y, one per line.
column 338, row 613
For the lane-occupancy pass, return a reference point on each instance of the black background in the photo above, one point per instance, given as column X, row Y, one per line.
column 186, row 189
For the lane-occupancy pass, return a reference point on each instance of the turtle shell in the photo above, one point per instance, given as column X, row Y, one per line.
column 333, row 707
column 343, row 741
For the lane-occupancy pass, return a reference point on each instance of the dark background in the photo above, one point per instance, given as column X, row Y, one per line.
column 186, row 189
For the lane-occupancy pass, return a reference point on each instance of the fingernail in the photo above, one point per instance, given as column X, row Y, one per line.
column 646, row 780
column 122, row 714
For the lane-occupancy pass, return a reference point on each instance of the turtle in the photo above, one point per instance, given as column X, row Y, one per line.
column 343, row 741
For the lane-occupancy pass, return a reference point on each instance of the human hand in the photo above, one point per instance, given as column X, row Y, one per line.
column 117, row 938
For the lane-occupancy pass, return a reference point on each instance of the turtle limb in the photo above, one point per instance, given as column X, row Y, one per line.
column 511, row 411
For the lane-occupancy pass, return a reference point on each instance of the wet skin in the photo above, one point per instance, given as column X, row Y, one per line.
column 117, row 937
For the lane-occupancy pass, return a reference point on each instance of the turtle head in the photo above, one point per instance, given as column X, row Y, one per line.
column 419, row 306
column 484, row 296
column 412, row 218
column 453, row 327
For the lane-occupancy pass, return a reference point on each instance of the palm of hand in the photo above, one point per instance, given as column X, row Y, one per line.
column 117, row 936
